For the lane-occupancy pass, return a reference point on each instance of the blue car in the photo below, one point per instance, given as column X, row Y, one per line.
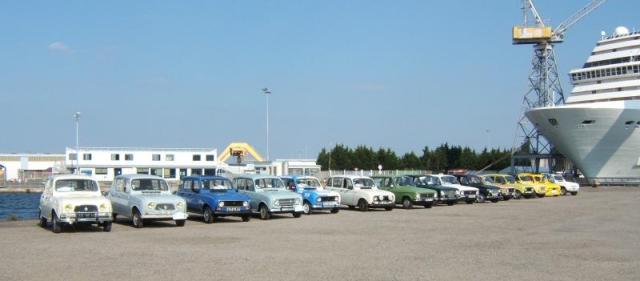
column 212, row 197
column 314, row 197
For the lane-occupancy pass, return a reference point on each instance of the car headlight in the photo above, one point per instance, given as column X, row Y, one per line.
column 151, row 205
column 68, row 208
column 103, row 207
column 180, row 204
column 245, row 204
column 297, row 201
column 319, row 199
column 276, row 203
column 220, row 204
column 375, row 198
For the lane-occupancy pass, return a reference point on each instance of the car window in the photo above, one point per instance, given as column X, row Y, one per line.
column 240, row 184
column 71, row 185
column 348, row 184
column 217, row 184
column 329, row 182
column 196, row 186
column 186, row 185
column 119, row 184
column 149, row 185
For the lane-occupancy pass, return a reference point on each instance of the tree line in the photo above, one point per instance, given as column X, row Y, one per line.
column 441, row 159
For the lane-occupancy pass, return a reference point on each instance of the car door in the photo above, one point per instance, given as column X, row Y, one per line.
column 185, row 192
column 115, row 195
column 349, row 191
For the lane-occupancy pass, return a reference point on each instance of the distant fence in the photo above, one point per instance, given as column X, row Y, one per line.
column 370, row 173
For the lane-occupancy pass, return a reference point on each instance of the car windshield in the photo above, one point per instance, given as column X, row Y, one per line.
column 217, row 184
column 269, row 183
column 429, row 180
column 450, row 180
column 364, row 183
column 510, row 179
column 475, row 180
column 308, row 183
column 487, row 179
column 76, row 185
column 409, row 181
column 558, row 178
column 525, row 178
column 149, row 185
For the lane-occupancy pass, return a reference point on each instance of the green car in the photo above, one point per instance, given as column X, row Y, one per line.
column 406, row 194
column 445, row 195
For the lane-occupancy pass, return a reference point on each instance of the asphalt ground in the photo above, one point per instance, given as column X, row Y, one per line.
column 592, row 236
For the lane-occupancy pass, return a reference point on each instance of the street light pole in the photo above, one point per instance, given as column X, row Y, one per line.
column 76, row 116
column 267, row 93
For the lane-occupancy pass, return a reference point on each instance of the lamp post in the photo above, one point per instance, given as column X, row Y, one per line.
column 267, row 93
column 76, row 117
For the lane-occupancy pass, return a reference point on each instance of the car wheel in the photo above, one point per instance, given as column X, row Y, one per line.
column 506, row 198
column 296, row 214
column 207, row 215
column 563, row 191
column 56, row 225
column 388, row 208
column 136, row 219
column 180, row 223
column 428, row 205
column 106, row 226
column 306, row 208
column 335, row 210
column 363, row 206
column 264, row 212
column 406, row 203
column 451, row 202
column 43, row 221
column 574, row 193
column 470, row 201
column 246, row 218
column 495, row 200
column 481, row 198
column 114, row 216
column 517, row 195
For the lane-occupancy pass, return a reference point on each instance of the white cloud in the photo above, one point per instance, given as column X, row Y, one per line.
column 59, row 47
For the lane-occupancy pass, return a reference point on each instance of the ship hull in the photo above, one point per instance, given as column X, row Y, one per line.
column 602, row 139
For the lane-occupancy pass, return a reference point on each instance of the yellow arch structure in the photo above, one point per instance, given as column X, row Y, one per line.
column 239, row 149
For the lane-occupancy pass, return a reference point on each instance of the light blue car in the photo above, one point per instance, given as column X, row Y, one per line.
column 269, row 196
column 314, row 197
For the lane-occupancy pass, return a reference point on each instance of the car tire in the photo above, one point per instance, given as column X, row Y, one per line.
column 363, row 206
column 495, row 200
column 43, row 221
column 180, row 223
column 306, row 208
column 480, row 198
column 264, row 212
column 470, row 201
column 563, row 191
column 451, row 202
column 335, row 210
column 106, row 226
column 56, row 225
column 136, row 219
column 428, row 205
column 406, row 203
column 114, row 217
column 388, row 208
column 574, row 193
column 297, row 214
column 207, row 215
column 517, row 195
column 246, row 218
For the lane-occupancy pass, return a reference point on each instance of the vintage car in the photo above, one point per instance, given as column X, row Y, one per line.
column 73, row 200
column 314, row 196
column 145, row 198
column 465, row 193
column 362, row 192
column 485, row 191
column 551, row 189
column 565, row 185
column 507, row 191
column 405, row 193
column 213, row 197
column 528, row 180
column 521, row 190
column 269, row 195
column 444, row 195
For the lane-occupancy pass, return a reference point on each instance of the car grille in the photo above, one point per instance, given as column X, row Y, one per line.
column 510, row 190
column 449, row 194
column 426, row 195
column 86, row 208
column 385, row 198
column 165, row 207
column 469, row 192
column 328, row 198
column 286, row 203
column 233, row 203
column 529, row 188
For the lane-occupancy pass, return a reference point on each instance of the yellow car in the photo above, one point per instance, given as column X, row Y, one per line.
column 529, row 179
column 552, row 189
column 520, row 190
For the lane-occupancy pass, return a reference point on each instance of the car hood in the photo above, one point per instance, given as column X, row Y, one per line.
column 84, row 200
column 414, row 189
column 321, row 192
column 168, row 198
column 230, row 195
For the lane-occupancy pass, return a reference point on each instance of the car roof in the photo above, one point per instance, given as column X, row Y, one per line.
column 256, row 176
column 71, row 176
column 139, row 176
column 351, row 176
column 205, row 177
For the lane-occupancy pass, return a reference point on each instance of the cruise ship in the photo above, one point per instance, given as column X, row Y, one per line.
column 598, row 128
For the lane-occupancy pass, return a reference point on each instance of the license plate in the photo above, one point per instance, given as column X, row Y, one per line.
column 233, row 209
column 85, row 215
column 428, row 199
column 472, row 196
column 331, row 204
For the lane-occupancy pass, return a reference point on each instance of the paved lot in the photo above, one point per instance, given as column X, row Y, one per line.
column 593, row 236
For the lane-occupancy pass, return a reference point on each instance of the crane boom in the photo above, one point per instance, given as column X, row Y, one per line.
column 558, row 33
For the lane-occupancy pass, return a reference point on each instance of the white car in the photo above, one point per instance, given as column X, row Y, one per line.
column 362, row 192
column 465, row 193
column 565, row 186
column 73, row 199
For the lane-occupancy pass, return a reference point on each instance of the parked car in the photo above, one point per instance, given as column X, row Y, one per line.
column 527, row 179
column 143, row 198
column 362, row 192
column 269, row 196
column 406, row 194
column 485, row 191
column 522, row 190
column 551, row 189
column 506, row 191
column 565, row 185
column 465, row 193
column 213, row 197
column 444, row 195
column 73, row 200
column 314, row 196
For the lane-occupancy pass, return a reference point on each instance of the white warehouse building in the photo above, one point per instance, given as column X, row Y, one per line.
column 104, row 163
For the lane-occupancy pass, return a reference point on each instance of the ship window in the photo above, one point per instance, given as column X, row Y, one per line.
column 588, row 75
column 628, row 123
column 619, row 89
column 635, row 69
column 638, row 123
column 598, row 73
column 588, row 122
column 593, row 74
column 618, row 71
column 553, row 122
column 608, row 71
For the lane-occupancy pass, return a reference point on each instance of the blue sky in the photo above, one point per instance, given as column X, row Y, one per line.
column 398, row 74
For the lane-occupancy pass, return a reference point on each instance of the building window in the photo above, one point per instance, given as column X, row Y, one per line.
column 210, row 157
column 73, row 156
column 168, row 157
column 115, row 157
column 156, row 172
column 169, row 173
column 196, row 157
column 209, row 172
column 142, row 171
column 128, row 157
column 86, row 156
column 183, row 173
column 196, row 172
column 101, row 171
column 155, row 157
